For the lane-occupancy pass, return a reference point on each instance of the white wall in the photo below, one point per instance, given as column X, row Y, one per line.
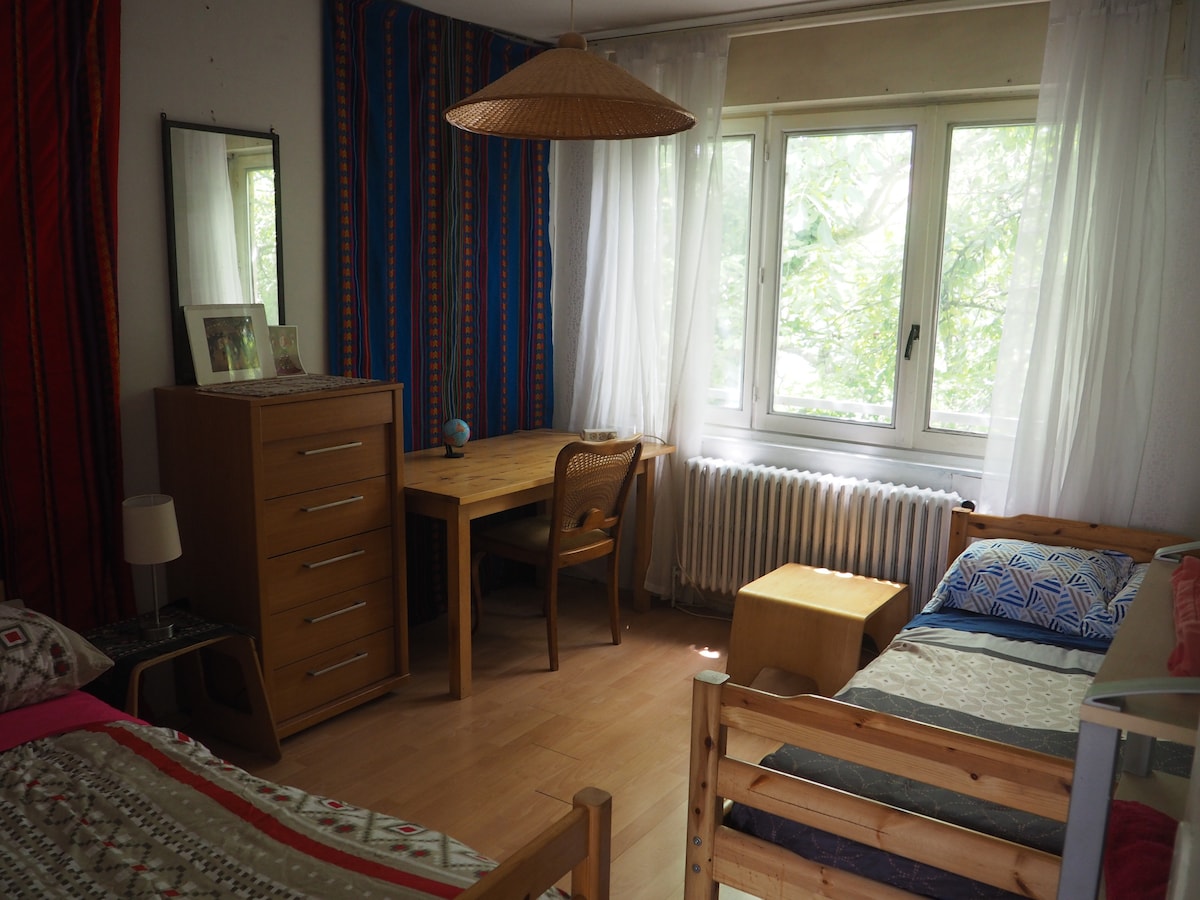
column 250, row 64
column 952, row 53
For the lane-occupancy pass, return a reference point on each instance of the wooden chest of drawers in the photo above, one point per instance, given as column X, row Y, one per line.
column 291, row 517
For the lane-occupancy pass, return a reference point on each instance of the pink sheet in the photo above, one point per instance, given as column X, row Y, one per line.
column 74, row 710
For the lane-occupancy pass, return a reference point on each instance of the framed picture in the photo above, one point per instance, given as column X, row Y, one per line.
column 285, row 348
column 229, row 342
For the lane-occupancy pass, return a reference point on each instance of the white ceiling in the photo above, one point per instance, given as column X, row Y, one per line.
column 546, row 19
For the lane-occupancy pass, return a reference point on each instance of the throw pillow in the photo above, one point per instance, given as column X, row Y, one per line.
column 41, row 658
column 1054, row 587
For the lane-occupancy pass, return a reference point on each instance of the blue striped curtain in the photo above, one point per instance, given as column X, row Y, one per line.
column 439, row 249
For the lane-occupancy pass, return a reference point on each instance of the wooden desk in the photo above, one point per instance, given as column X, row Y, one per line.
column 1133, row 692
column 495, row 474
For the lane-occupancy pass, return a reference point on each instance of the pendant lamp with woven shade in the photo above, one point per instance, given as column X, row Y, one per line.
column 569, row 94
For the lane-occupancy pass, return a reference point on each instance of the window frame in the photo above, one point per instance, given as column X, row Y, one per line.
column 933, row 124
column 755, row 129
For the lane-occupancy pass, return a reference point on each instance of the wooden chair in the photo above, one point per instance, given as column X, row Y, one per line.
column 591, row 482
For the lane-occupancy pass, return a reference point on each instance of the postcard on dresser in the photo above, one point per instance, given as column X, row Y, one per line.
column 285, row 347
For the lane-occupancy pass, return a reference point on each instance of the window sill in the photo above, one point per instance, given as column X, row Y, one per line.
column 946, row 472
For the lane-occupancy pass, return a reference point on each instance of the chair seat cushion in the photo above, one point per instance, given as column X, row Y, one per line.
column 532, row 535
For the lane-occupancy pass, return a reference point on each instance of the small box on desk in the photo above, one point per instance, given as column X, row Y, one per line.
column 607, row 433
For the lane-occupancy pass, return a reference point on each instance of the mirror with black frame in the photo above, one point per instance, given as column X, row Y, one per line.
column 224, row 235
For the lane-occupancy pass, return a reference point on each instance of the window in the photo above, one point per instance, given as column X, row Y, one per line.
column 989, row 165
column 887, row 242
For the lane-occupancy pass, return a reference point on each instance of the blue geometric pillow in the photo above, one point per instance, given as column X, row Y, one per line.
column 1102, row 620
column 1054, row 587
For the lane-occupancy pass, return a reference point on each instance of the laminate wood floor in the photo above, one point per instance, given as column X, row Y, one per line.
column 496, row 767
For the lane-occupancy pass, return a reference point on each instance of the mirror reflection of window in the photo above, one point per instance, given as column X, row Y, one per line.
column 252, row 184
column 204, row 220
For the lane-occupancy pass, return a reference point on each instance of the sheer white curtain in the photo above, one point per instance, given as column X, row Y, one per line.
column 1168, row 494
column 1075, row 380
column 209, row 267
column 636, row 261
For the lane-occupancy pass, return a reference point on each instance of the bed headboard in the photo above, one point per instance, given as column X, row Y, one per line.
column 966, row 526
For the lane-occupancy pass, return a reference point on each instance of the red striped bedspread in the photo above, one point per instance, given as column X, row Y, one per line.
column 126, row 809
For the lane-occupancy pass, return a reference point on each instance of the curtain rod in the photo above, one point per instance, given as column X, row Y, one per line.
column 807, row 15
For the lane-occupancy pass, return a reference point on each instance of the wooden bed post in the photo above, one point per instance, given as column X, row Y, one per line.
column 590, row 878
column 704, row 805
column 578, row 842
column 956, row 543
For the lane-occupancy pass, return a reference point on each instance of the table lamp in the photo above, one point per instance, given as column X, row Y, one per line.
column 151, row 538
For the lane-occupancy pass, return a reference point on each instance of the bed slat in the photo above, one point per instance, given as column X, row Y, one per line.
column 771, row 872
column 953, row 848
column 988, row 770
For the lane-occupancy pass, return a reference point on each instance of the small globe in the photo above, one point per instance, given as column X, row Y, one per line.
column 456, row 433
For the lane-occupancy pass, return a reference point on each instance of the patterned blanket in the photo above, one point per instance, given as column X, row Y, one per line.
column 1021, row 692
column 131, row 810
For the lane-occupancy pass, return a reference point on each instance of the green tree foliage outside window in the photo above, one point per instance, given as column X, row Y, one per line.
column 842, row 240
column 263, row 263
column 989, row 167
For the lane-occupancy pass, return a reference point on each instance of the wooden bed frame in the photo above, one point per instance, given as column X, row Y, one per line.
column 578, row 843
column 988, row 770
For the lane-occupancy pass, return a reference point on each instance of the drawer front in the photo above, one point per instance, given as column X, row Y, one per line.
column 320, row 460
column 297, row 578
column 307, row 417
column 314, row 627
column 314, row 517
column 327, row 676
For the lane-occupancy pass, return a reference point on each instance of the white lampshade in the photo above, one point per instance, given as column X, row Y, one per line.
column 151, row 532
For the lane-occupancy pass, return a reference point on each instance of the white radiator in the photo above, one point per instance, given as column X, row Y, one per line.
column 741, row 521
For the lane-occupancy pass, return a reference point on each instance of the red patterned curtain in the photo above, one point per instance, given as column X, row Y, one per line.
column 438, row 239
column 60, row 445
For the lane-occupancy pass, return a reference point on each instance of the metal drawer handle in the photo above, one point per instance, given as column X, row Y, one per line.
column 349, row 446
column 313, row 620
column 353, row 499
column 362, row 654
column 333, row 559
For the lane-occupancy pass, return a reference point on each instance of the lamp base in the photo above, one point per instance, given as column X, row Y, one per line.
column 158, row 631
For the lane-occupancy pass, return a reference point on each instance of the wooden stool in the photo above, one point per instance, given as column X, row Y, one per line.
column 811, row 623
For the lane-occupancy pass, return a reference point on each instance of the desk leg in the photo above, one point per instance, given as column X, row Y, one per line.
column 643, row 535
column 1087, row 818
column 458, row 602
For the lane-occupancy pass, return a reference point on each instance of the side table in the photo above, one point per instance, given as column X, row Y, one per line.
column 811, row 622
column 1133, row 693
column 217, row 668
